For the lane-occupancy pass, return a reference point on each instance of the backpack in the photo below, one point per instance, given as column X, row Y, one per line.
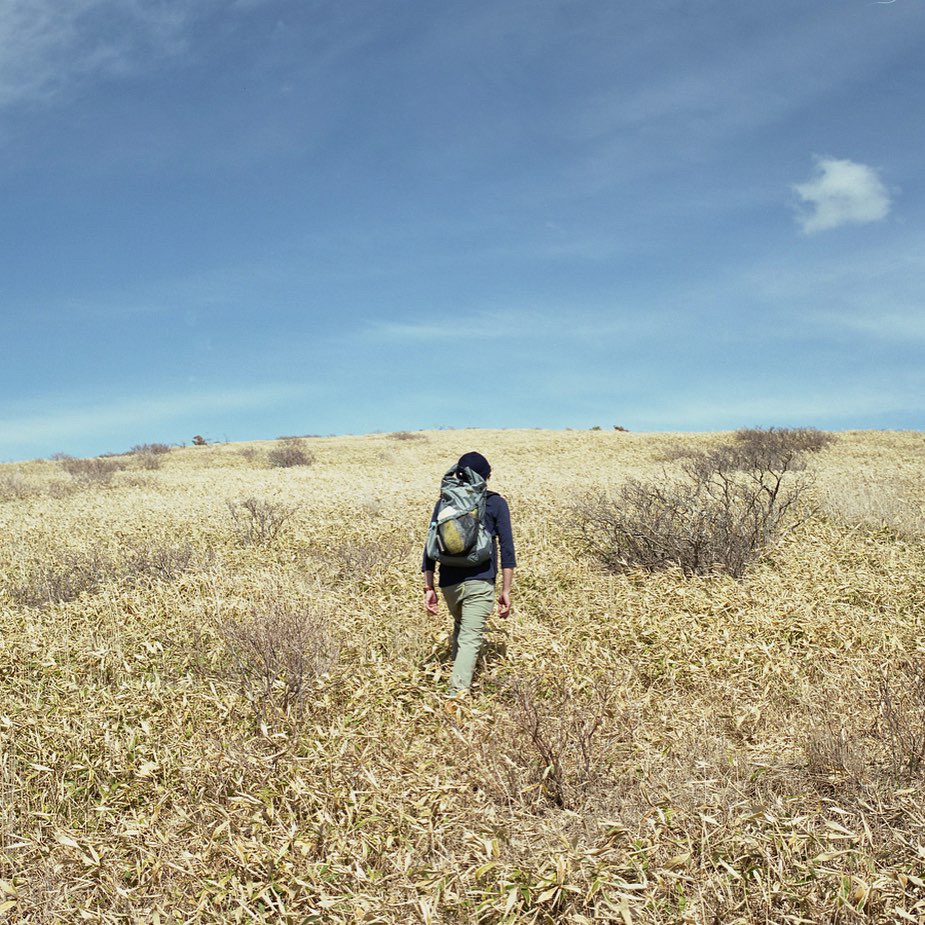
column 457, row 534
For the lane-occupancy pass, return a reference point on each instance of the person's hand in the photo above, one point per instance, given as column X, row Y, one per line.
column 504, row 603
column 430, row 600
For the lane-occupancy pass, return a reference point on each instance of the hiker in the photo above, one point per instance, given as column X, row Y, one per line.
column 469, row 589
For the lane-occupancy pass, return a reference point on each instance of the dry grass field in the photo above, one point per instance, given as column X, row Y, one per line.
column 216, row 709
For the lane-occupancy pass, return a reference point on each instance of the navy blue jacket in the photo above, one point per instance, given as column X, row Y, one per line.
column 498, row 524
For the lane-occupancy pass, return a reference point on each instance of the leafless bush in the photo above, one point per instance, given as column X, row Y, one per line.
column 356, row 561
column 251, row 454
column 61, row 488
column 150, row 461
column 406, row 435
column 257, row 521
column 199, row 440
column 902, row 717
column 65, row 578
column 158, row 449
column 150, row 455
column 556, row 744
column 69, row 574
column 291, row 452
column 728, row 504
column 15, row 488
column 774, row 443
column 278, row 650
column 166, row 562
column 756, row 447
column 90, row 472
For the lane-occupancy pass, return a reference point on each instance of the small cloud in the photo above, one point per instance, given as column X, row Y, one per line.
column 842, row 193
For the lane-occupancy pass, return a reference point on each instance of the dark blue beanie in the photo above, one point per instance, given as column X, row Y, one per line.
column 476, row 462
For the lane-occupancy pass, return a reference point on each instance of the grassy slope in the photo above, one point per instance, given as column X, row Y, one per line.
column 741, row 770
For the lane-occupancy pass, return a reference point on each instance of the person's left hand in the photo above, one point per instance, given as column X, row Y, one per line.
column 504, row 603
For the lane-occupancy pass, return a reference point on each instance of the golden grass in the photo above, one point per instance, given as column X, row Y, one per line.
column 719, row 745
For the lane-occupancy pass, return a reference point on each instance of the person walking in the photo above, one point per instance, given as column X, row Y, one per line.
column 469, row 591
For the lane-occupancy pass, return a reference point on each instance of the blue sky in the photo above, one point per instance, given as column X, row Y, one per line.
column 253, row 218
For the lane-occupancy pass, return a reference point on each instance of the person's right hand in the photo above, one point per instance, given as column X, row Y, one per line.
column 430, row 600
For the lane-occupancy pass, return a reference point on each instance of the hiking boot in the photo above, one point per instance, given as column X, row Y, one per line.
column 456, row 703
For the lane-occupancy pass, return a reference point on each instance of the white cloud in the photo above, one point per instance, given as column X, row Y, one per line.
column 843, row 192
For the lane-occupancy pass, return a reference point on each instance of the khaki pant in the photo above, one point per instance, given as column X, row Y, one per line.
column 470, row 603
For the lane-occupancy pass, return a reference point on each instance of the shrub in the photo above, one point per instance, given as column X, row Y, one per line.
column 727, row 505
column 63, row 579
column 291, row 452
column 199, row 440
column 555, row 744
column 150, row 461
column 89, row 472
column 776, row 442
column 160, row 561
column 15, row 488
column 621, row 430
column 278, row 649
column 406, row 435
column 150, row 454
column 359, row 561
column 157, row 449
column 258, row 522
column 566, row 737
column 902, row 717
column 61, row 488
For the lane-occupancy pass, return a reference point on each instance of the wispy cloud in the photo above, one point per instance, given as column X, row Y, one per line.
column 871, row 398
column 898, row 326
column 101, row 419
column 842, row 192
column 48, row 45
column 717, row 93
column 545, row 322
column 879, row 297
column 411, row 331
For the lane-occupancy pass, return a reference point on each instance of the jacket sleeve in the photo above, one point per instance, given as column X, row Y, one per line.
column 505, row 535
column 428, row 565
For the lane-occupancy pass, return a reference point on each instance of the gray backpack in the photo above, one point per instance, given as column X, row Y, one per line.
column 457, row 534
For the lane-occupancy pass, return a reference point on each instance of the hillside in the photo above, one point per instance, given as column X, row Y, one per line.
column 642, row 747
